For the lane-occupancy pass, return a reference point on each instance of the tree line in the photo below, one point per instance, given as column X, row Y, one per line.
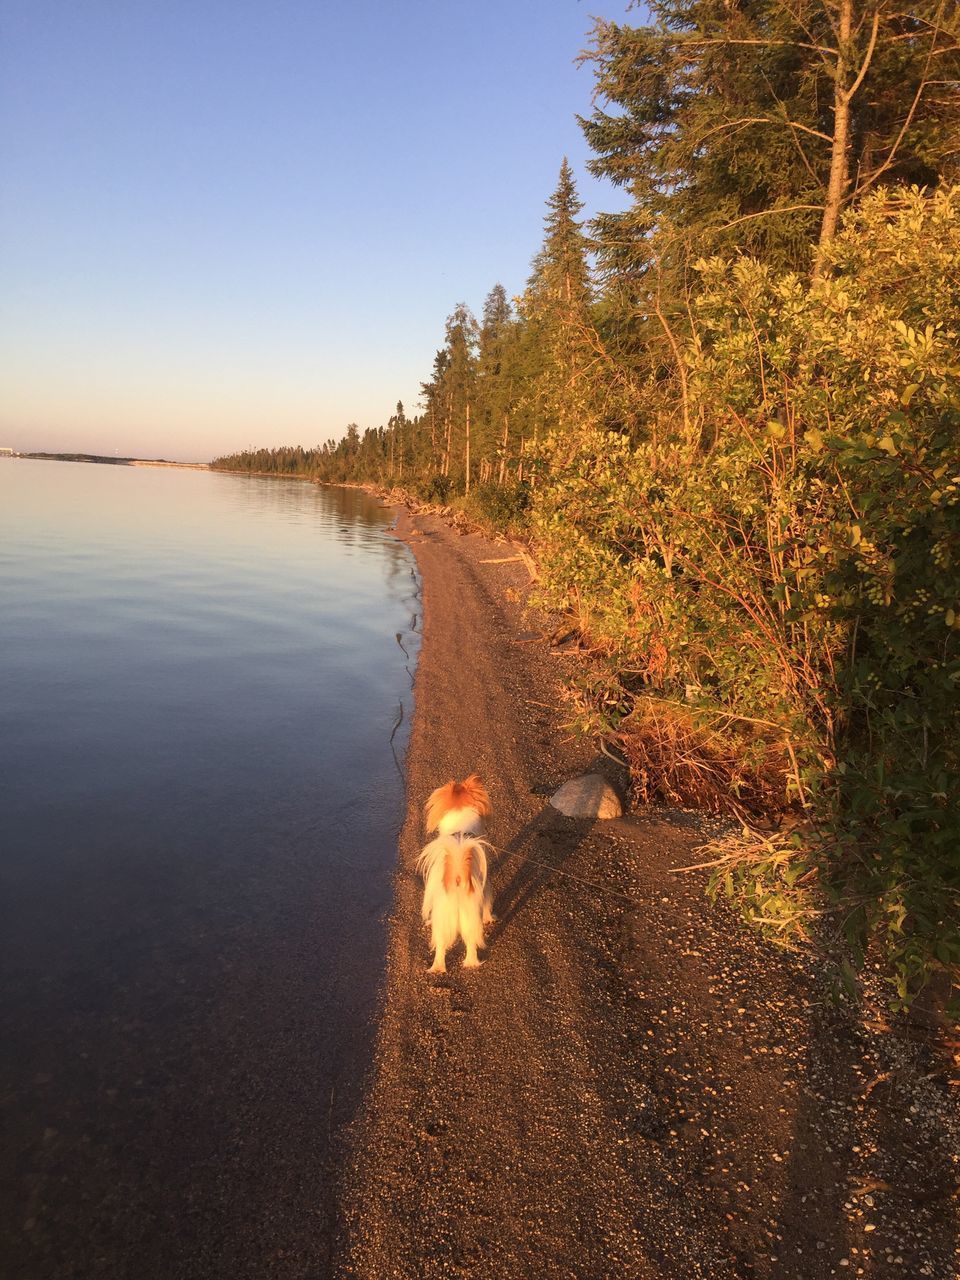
column 727, row 417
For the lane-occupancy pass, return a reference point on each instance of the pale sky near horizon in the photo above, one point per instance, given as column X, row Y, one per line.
column 237, row 223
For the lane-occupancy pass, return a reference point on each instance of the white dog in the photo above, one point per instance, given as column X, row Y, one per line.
column 456, row 900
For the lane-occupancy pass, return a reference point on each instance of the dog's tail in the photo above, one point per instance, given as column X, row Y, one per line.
column 455, row 866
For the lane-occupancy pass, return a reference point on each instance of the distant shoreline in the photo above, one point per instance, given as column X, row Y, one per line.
column 113, row 462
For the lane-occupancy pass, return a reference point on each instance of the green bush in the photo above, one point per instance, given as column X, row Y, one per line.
column 435, row 488
column 501, row 507
column 775, row 552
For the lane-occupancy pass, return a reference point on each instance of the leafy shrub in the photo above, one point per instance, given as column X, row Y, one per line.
column 435, row 488
column 502, row 507
column 892, row 572
column 777, row 548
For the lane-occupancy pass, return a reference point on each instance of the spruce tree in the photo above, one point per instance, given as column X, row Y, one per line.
column 462, row 335
column 556, row 313
column 493, row 383
column 560, row 269
column 749, row 126
column 434, row 399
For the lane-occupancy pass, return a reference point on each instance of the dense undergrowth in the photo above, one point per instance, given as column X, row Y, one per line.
column 772, row 578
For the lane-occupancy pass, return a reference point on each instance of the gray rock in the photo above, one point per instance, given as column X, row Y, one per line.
column 589, row 796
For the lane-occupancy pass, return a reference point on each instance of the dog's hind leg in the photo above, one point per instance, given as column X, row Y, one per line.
column 443, row 930
column 488, row 916
column 471, row 930
column 440, row 941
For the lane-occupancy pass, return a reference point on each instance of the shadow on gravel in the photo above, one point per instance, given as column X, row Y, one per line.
column 536, row 857
column 534, row 860
column 870, row 1179
column 811, row 1226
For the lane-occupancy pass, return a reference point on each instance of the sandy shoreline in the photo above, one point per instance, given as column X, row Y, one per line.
column 632, row 1085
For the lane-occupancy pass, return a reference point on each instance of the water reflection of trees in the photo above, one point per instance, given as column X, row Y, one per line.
column 349, row 517
column 351, row 513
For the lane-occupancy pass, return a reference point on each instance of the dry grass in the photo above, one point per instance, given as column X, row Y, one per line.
column 771, row 878
column 720, row 764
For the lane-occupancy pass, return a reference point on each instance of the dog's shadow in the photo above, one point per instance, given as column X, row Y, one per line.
column 534, row 860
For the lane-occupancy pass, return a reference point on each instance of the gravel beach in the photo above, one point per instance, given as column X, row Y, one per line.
column 632, row 1085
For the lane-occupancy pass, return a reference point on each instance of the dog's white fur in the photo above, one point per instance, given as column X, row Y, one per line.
column 457, row 901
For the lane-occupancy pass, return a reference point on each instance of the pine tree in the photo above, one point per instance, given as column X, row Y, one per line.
column 560, row 269
column 396, row 427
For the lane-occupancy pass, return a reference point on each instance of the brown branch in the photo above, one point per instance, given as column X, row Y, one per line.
column 867, row 57
column 730, row 124
column 681, row 370
column 768, row 44
column 924, row 81
column 766, row 213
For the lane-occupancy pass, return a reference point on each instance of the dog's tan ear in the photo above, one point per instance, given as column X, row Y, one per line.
column 438, row 803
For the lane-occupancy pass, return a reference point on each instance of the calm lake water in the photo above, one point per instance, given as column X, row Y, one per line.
column 204, row 694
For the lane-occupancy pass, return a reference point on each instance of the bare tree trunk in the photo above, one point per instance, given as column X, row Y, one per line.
column 503, row 456
column 840, row 150
column 446, row 454
column 843, row 95
column 467, row 449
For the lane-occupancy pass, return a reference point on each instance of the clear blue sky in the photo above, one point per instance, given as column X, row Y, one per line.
column 227, row 223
